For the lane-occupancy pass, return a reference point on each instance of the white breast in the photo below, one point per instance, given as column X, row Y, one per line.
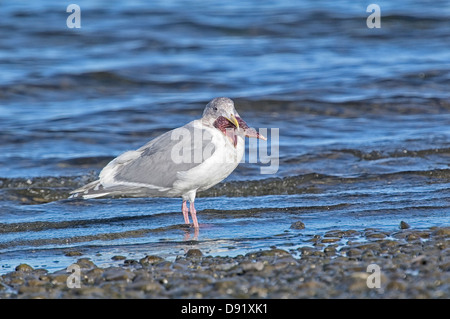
column 216, row 168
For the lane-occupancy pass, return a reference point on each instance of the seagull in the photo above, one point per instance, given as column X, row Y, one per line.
column 180, row 162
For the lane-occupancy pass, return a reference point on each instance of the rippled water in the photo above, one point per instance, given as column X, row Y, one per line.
column 363, row 116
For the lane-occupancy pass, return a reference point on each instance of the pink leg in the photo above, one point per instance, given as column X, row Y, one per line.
column 185, row 211
column 194, row 215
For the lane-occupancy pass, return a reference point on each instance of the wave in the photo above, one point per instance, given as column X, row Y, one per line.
column 39, row 190
column 388, row 105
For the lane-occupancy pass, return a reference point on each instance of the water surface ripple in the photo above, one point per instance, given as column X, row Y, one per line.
column 363, row 118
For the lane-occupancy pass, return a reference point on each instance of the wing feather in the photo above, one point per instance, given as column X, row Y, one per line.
column 158, row 163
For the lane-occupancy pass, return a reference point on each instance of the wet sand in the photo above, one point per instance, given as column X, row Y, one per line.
column 413, row 263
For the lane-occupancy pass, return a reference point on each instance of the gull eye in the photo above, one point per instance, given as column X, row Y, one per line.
column 215, row 108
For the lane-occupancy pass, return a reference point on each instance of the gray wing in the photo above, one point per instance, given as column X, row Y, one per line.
column 158, row 162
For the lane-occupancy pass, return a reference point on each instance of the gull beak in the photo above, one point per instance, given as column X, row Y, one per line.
column 233, row 120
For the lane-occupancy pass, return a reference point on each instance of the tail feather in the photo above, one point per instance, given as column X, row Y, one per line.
column 96, row 189
column 92, row 190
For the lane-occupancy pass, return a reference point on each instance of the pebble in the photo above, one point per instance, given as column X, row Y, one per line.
column 149, row 260
column 410, row 268
column 252, row 266
column 404, row 225
column 442, row 232
column 375, row 235
column 334, row 233
column 275, row 252
column 85, row 263
column 329, row 240
column 411, row 237
column 73, row 253
column 192, row 253
column 330, row 251
column 298, row 225
column 24, row 268
column 353, row 252
column 146, row 286
column 94, row 275
column 117, row 274
column 130, row 262
column 118, row 257
column 396, row 285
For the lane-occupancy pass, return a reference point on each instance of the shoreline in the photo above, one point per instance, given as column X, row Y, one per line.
column 406, row 263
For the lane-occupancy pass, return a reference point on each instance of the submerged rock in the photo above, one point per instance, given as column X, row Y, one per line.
column 298, row 225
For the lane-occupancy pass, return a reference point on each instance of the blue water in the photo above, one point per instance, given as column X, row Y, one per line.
column 363, row 116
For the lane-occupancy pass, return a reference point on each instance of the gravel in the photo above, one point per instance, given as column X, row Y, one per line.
column 405, row 263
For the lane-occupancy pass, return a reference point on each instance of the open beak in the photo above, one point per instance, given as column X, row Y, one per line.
column 239, row 123
column 233, row 121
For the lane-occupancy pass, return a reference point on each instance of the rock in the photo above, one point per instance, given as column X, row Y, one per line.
column 279, row 252
column 36, row 282
column 73, row 253
column 118, row 274
column 311, row 288
column 419, row 260
column 149, row 260
column 314, row 239
column 226, row 284
column 90, row 292
column 351, row 233
column 413, row 268
column 329, row 240
column 375, row 235
column 224, row 266
column 259, row 292
column 334, row 233
column 368, row 245
column 396, row 285
column 32, row 291
column 412, row 237
column 130, row 262
column 367, row 254
column 193, row 253
column 306, row 251
column 146, row 286
column 94, row 275
column 312, row 285
column 298, row 225
column 275, row 252
column 330, row 251
column 404, row 225
column 445, row 266
column 58, row 279
column 252, row 266
column 85, row 263
column 118, row 257
column 24, row 268
column 353, row 252
column 444, row 232
column 358, row 281
column 165, row 264
column 388, row 243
